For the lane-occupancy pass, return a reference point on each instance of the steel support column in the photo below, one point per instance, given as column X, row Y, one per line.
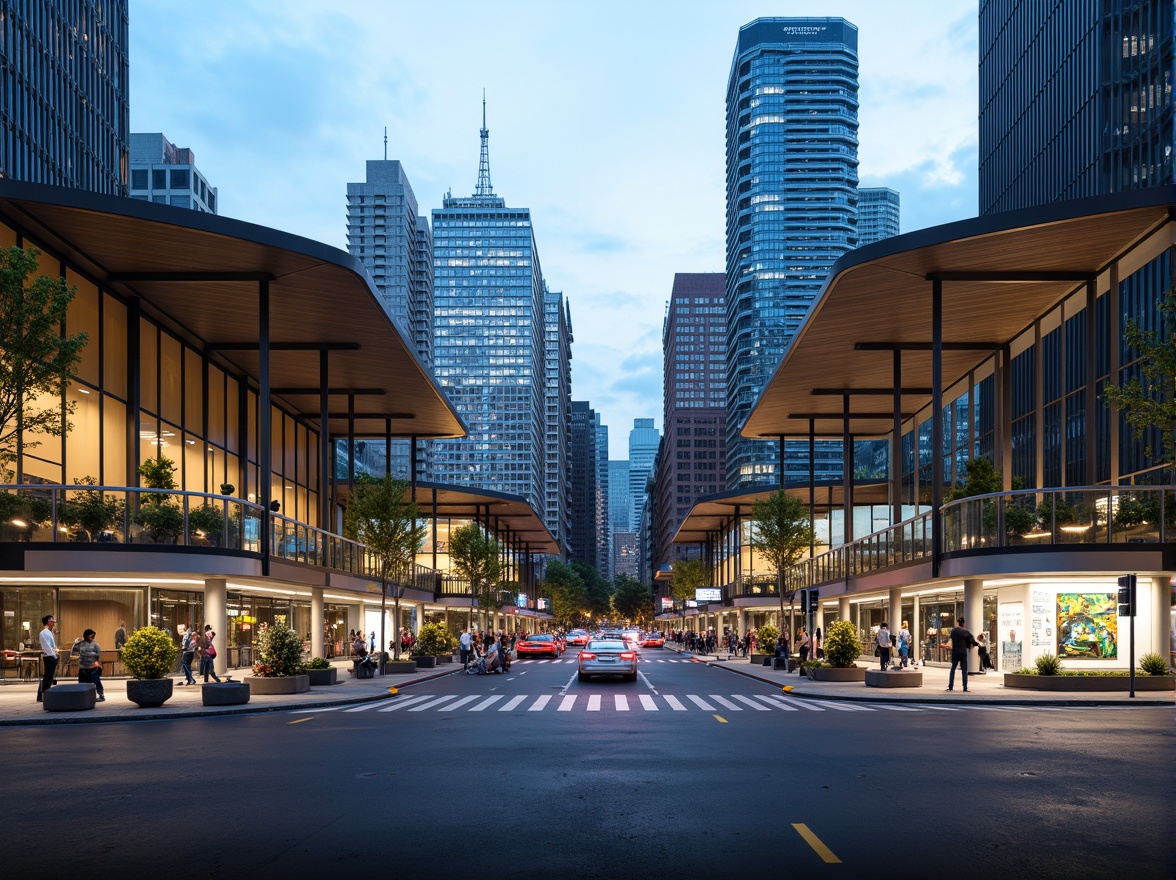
column 264, row 423
column 936, row 424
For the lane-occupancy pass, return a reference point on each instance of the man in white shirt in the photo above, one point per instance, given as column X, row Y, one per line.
column 48, row 654
column 465, row 642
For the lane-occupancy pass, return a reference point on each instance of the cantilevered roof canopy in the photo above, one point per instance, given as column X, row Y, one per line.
column 199, row 274
column 999, row 274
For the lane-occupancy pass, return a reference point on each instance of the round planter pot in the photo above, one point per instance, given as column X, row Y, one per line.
column 323, row 677
column 428, row 662
column 876, row 678
column 1089, row 684
column 281, row 684
column 852, row 673
column 400, row 667
column 149, row 692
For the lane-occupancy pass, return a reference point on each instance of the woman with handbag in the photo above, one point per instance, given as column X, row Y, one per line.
column 90, row 663
column 208, row 655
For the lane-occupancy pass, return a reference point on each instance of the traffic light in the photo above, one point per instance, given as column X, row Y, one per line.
column 1127, row 595
column 813, row 597
column 804, row 601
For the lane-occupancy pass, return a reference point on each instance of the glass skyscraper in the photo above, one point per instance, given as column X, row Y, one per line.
column 643, row 444
column 557, row 405
column 878, row 214
column 792, row 102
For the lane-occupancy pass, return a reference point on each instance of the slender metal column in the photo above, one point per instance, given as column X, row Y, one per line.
column 1038, row 407
column 412, row 458
column 134, row 397
column 781, row 458
column 846, row 470
column 350, row 443
column 896, row 445
column 1091, row 419
column 1113, row 358
column 325, row 487
column 1004, row 423
column 812, row 481
column 936, row 423
column 265, row 428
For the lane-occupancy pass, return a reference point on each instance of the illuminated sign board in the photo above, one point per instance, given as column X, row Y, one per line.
column 667, row 603
column 708, row 594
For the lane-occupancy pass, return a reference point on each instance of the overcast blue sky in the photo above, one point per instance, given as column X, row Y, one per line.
column 606, row 119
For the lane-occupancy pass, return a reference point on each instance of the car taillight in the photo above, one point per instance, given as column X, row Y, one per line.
column 587, row 655
column 628, row 655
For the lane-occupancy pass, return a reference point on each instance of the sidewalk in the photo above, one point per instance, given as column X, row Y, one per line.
column 19, row 706
column 982, row 688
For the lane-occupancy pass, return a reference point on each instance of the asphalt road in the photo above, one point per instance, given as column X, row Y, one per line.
column 690, row 768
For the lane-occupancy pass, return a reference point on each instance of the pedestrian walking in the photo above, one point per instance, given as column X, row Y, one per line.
column 904, row 644
column 90, row 663
column 802, row 645
column 208, row 654
column 985, row 658
column 187, row 655
column 884, row 646
column 48, row 654
column 961, row 641
column 120, row 635
column 465, row 642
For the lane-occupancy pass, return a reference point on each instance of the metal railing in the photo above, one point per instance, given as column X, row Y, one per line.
column 298, row 542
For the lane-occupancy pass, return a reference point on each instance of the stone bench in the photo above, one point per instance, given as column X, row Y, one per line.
column 69, row 698
column 227, row 693
column 876, row 678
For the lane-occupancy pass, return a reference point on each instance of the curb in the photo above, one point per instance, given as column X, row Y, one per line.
column 247, row 709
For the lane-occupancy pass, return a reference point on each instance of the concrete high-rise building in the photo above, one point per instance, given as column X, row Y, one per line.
column 557, row 383
column 64, row 105
column 387, row 233
column 624, row 553
column 489, row 348
column 694, row 397
column 792, row 123
column 167, row 175
column 643, row 442
column 586, row 536
column 620, row 504
column 603, row 529
column 878, row 214
column 1075, row 99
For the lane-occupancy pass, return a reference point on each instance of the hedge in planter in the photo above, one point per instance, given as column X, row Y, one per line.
column 148, row 656
column 842, row 646
column 279, row 652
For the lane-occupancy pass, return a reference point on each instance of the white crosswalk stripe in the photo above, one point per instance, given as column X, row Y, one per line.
column 421, row 707
column 648, row 704
column 752, row 703
column 514, row 701
column 622, row 703
column 801, row 703
column 726, row 704
column 453, row 706
column 567, row 703
column 400, row 703
column 594, row 703
column 489, row 701
column 674, row 702
column 701, row 703
column 538, row 705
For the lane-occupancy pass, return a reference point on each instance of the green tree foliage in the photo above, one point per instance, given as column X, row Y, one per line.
column 842, row 646
column 279, row 652
column 980, row 478
column 149, row 653
column 477, row 557
column 597, row 597
column 568, row 593
column 36, row 360
column 632, row 600
column 782, row 535
column 159, row 515
column 1148, row 400
column 381, row 515
column 689, row 575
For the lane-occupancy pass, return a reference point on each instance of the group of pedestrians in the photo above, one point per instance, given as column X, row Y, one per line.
column 485, row 653
column 204, row 645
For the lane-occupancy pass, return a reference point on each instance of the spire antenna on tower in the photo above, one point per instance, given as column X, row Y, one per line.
column 484, row 188
column 385, row 143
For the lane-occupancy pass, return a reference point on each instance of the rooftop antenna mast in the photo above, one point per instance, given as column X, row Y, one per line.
column 385, row 143
column 484, row 188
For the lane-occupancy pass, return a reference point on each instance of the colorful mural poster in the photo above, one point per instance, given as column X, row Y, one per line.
column 1010, row 632
column 1088, row 626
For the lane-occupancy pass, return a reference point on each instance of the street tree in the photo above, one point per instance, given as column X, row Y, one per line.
column 381, row 515
column 597, row 593
column 477, row 557
column 632, row 600
column 689, row 575
column 37, row 360
column 782, row 534
column 566, row 589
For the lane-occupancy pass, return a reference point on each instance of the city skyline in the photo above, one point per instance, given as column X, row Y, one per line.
column 275, row 95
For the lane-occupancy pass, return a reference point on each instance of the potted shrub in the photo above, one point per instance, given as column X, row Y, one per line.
column 432, row 641
column 148, row 656
column 765, row 642
column 161, row 518
column 278, row 669
column 22, row 514
column 320, row 672
column 90, row 513
column 207, row 523
column 842, row 649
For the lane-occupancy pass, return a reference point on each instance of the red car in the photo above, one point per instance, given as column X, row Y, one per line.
column 577, row 637
column 537, row 646
column 652, row 640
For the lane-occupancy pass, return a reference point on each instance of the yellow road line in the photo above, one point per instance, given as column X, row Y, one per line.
column 812, row 840
column 300, row 720
column 720, row 719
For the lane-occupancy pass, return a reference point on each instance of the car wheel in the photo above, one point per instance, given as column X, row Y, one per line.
column 581, row 676
column 631, row 677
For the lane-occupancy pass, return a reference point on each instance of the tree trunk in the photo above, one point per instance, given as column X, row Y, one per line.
column 383, row 619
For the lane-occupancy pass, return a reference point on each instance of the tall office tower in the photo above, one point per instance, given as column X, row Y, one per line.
column 65, row 110
column 488, row 351
column 643, row 441
column 624, row 553
column 557, row 438
column 878, row 214
column 585, row 536
column 166, row 174
column 694, row 397
column 620, row 502
column 791, row 208
column 603, row 528
column 388, row 235
column 1075, row 99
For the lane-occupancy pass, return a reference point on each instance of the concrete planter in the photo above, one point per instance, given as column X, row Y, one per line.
column 149, row 693
column 762, row 659
column 445, row 658
column 400, row 667
column 852, row 673
column 876, row 678
column 426, row 662
column 323, row 677
column 1089, row 684
column 69, row 698
column 224, row 693
column 280, row 684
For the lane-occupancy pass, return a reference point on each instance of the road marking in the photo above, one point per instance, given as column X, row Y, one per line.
column 539, row 703
column 489, row 701
column 726, row 704
column 421, row 707
column 622, row 703
column 300, row 720
column 777, row 703
column 801, row 703
column 648, row 683
column 753, row 704
column 322, row 709
column 367, row 706
column 514, row 701
column 840, row 707
column 594, row 703
column 567, row 703
column 400, row 704
column 943, row 708
column 720, row 719
column 648, row 704
column 894, row 708
column 674, row 702
column 700, row 703
column 819, row 848
column 453, row 706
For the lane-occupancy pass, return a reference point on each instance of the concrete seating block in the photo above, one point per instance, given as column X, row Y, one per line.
column 902, row 678
column 227, row 693
column 69, row 698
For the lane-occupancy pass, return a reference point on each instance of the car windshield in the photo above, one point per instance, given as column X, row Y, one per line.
column 538, row 638
column 607, row 645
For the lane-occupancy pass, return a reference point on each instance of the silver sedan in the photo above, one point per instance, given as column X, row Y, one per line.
column 608, row 657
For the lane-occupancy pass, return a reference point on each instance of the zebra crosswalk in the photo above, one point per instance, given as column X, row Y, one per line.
column 645, row 702
column 643, row 660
